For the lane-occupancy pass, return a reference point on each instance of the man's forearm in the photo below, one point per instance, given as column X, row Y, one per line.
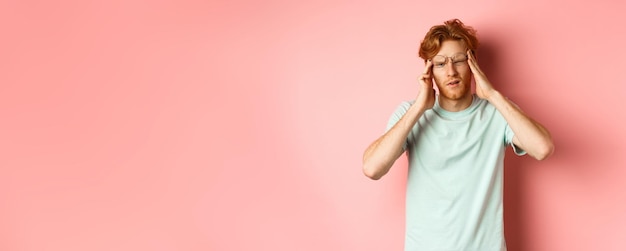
column 382, row 153
column 529, row 134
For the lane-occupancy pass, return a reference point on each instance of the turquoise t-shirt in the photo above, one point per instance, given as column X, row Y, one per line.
column 454, row 186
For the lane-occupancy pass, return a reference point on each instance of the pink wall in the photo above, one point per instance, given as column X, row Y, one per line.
column 239, row 125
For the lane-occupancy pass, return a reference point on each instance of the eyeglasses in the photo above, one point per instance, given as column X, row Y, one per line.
column 458, row 59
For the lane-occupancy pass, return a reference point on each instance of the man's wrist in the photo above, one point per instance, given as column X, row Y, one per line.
column 415, row 111
column 494, row 96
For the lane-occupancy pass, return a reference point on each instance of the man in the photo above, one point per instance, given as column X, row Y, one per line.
column 455, row 143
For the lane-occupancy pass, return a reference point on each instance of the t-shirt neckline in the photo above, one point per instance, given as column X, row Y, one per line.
column 456, row 115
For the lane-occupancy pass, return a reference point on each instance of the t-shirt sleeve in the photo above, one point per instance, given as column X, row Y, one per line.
column 396, row 116
column 508, row 134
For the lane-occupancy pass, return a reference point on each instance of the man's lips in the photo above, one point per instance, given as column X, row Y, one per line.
column 454, row 82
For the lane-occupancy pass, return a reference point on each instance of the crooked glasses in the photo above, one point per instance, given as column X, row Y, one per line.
column 458, row 59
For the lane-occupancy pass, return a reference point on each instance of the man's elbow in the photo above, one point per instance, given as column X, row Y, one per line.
column 372, row 172
column 545, row 151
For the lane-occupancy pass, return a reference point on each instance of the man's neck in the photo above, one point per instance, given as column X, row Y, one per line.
column 456, row 105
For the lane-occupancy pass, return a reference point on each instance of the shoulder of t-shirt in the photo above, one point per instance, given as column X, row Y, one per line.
column 408, row 103
column 404, row 106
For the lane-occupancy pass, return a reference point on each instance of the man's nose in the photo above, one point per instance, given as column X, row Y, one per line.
column 450, row 69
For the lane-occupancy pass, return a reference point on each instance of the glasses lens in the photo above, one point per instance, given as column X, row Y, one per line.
column 459, row 58
column 439, row 61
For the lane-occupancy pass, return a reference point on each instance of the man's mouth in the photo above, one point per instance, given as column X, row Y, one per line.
column 453, row 83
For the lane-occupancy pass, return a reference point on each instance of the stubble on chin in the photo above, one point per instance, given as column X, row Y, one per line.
column 459, row 94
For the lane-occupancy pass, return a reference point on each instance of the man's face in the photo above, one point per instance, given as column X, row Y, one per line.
column 451, row 71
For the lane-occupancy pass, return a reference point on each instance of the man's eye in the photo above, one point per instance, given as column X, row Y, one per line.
column 439, row 64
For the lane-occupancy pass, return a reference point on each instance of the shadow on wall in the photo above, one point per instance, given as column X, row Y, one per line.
column 514, row 228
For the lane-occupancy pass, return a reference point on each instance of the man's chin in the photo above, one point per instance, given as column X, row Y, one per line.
column 455, row 95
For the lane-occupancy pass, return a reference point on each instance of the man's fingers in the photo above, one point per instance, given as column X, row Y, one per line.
column 470, row 54
column 429, row 65
column 472, row 62
column 427, row 69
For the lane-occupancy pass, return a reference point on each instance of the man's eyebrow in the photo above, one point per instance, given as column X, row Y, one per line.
column 452, row 54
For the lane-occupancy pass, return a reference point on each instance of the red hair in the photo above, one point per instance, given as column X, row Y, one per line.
column 451, row 30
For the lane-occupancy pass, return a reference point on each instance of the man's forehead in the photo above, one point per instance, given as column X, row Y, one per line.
column 452, row 47
column 450, row 54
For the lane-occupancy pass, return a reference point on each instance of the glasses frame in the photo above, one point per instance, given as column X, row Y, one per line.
column 449, row 59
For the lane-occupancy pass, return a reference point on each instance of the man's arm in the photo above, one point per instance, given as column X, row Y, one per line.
column 382, row 153
column 529, row 134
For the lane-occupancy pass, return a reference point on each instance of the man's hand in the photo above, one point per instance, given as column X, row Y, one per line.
column 426, row 95
column 484, row 89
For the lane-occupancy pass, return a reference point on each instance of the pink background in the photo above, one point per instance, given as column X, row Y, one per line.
column 240, row 125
